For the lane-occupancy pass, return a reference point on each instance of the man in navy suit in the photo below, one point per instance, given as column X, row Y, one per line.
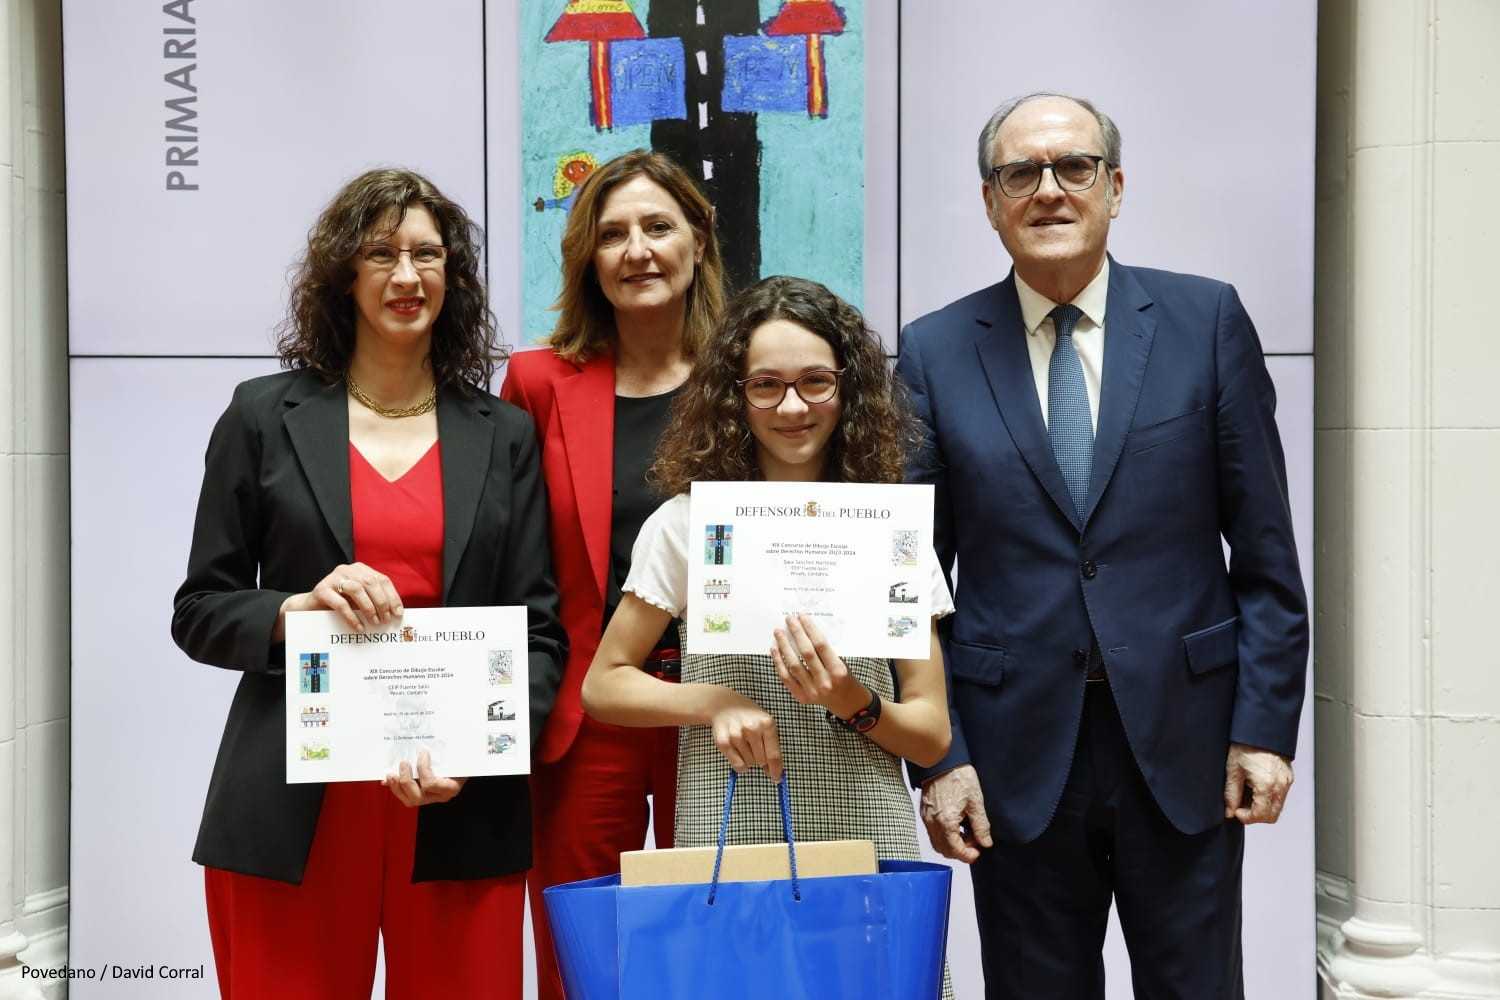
column 1124, row 702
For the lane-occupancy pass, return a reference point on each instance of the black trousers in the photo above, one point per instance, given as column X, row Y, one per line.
column 1043, row 907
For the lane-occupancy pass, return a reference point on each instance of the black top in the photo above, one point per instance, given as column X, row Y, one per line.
column 639, row 423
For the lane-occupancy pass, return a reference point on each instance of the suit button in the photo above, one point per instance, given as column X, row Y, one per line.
column 1090, row 570
column 1080, row 658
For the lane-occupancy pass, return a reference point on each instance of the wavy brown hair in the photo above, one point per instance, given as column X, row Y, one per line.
column 709, row 439
column 318, row 331
column 586, row 319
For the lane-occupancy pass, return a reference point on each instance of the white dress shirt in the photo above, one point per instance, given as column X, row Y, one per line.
column 1088, row 336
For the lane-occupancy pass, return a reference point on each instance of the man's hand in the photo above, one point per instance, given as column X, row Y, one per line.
column 949, row 799
column 1262, row 776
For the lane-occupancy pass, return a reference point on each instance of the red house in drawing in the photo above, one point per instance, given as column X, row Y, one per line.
column 597, row 22
column 813, row 18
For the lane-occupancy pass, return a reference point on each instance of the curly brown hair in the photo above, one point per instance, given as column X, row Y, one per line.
column 318, row 331
column 586, row 319
column 709, row 436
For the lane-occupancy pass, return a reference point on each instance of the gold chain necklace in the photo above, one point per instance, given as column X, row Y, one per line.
column 404, row 411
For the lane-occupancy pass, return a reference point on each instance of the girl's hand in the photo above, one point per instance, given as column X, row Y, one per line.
column 813, row 672
column 746, row 735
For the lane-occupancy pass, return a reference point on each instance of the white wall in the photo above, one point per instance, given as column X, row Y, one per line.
column 173, row 294
column 173, row 297
column 1215, row 106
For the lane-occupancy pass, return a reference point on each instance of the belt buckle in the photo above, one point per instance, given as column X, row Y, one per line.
column 666, row 665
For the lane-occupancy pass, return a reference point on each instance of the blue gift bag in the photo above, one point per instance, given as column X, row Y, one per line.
column 877, row 937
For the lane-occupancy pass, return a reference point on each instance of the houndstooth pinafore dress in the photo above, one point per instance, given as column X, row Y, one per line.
column 842, row 785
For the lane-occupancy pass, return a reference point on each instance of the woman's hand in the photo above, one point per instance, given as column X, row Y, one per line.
column 362, row 596
column 813, row 672
column 746, row 735
column 424, row 787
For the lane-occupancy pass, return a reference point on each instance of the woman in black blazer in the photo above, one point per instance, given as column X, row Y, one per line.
column 375, row 474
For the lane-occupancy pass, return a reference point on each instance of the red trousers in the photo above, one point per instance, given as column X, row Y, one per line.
column 587, row 808
column 317, row 940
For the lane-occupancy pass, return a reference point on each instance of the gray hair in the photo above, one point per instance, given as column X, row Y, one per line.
column 1107, row 129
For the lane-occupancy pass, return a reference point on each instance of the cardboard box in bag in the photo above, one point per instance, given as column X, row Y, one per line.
column 748, row 862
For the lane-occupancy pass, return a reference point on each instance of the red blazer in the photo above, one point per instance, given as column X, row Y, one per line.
column 574, row 410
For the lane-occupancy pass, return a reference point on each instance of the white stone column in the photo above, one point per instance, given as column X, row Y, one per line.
column 34, row 612
column 12, row 941
column 1462, row 915
column 1409, row 459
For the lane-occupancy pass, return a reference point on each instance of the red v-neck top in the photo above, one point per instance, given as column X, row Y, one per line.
column 398, row 526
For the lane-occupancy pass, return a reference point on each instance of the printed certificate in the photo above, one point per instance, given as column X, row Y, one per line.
column 452, row 681
column 856, row 558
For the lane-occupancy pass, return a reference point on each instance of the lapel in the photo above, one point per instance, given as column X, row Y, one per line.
column 1128, row 333
column 465, row 439
column 1001, row 342
column 585, row 414
column 317, row 421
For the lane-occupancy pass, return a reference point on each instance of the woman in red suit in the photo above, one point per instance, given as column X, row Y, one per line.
column 642, row 287
column 374, row 475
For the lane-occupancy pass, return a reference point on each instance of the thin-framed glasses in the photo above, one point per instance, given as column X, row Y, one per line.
column 767, row 391
column 383, row 256
column 1074, row 172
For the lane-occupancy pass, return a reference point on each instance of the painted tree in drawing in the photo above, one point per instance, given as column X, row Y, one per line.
column 718, row 147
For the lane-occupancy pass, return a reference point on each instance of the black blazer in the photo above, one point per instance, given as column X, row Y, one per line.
column 273, row 518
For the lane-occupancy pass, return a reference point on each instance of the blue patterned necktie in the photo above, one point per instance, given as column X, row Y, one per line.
column 1068, row 421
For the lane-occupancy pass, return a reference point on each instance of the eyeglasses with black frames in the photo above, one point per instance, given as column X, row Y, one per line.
column 765, row 392
column 1074, row 172
column 383, row 256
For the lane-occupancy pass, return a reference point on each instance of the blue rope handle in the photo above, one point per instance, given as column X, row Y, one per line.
column 784, row 794
column 786, row 831
column 713, row 888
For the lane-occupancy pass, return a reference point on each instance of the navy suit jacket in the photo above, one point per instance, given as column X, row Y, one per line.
column 1186, row 458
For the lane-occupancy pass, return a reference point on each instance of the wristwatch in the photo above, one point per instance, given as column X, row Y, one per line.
column 864, row 720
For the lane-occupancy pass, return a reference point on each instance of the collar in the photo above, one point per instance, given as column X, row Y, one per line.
column 1035, row 306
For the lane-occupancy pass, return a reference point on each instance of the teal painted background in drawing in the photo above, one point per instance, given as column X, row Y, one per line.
column 812, row 169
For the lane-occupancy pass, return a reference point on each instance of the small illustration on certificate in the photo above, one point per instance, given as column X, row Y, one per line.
column 855, row 557
column 451, row 681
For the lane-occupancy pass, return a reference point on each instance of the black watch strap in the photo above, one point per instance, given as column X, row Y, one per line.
column 864, row 720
